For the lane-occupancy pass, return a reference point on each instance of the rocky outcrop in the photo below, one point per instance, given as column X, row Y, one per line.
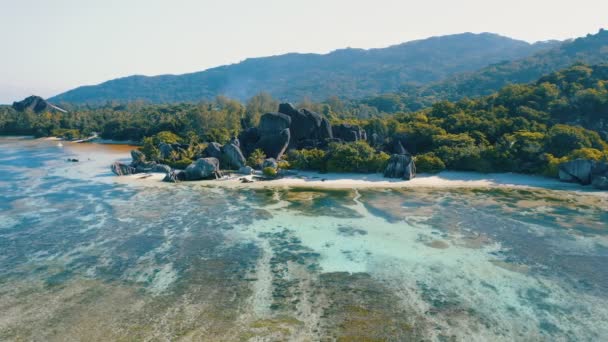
column 576, row 171
column 165, row 150
column 138, row 157
column 585, row 172
column 121, row 169
column 400, row 166
column 305, row 125
column 203, row 168
column 273, row 123
column 213, row 150
column 248, row 139
column 36, row 104
column 232, row 157
column 349, row 133
column 175, row 176
column 274, row 145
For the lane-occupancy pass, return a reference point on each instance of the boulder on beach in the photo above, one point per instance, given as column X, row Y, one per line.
column 273, row 123
column 213, row 150
column 400, row 166
column 203, row 168
column 138, row 157
column 175, row 176
column 121, row 169
column 246, row 170
column 248, row 140
column 576, row 171
column 232, row 157
column 274, row 145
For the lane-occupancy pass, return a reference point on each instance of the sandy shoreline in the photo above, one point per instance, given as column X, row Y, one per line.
column 102, row 155
column 446, row 179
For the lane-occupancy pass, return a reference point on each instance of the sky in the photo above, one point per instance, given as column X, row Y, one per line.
column 50, row 46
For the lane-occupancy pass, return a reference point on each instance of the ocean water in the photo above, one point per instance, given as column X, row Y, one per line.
column 86, row 257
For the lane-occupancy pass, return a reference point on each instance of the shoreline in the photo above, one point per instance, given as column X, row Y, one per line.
column 114, row 150
column 341, row 181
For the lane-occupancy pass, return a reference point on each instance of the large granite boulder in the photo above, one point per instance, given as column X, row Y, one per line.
column 175, row 176
column 400, row 166
column 203, row 168
column 213, row 150
column 248, row 139
column 273, row 123
column 274, row 145
column 305, row 125
column 160, row 168
column 36, row 104
column 576, row 171
column 137, row 158
column 121, row 169
column 246, row 170
column 325, row 131
column 165, row 150
column 349, row 133
column 232, row 157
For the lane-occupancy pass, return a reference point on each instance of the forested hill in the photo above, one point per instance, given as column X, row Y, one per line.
column 592, row 49
column 347, row 73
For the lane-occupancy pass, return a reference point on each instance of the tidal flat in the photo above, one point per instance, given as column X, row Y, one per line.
column 85, row 257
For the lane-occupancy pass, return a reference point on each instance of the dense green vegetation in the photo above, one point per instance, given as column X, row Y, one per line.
column 592, row 49
column 526, row 128
column 347, row 73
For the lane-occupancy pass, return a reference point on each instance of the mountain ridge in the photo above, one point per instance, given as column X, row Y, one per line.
column 348, row 72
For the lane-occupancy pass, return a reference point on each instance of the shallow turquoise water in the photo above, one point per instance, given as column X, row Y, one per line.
column 83, row 257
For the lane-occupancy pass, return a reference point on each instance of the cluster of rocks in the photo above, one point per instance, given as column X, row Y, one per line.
column 585, row 172
column 139, row 164
column 289, row 128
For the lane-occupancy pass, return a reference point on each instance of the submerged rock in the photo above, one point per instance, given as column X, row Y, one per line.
column 400, row 166
column 203, row 168
column 121, row 169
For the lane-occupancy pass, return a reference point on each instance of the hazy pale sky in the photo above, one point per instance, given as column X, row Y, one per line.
column 50, row 46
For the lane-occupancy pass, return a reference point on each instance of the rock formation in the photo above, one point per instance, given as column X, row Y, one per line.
column 232, row 157
column 349, row 133
column 36, row 104
column 203, row 168
column 585, row 172
column 400, row 166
